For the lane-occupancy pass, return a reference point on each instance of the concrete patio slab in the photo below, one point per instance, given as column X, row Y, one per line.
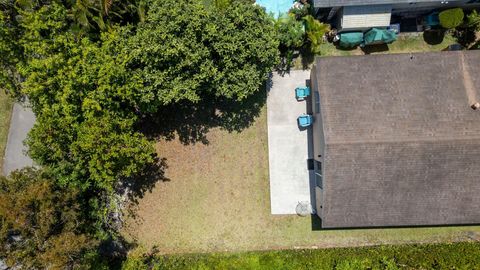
column 288, row 146
column 15, row 152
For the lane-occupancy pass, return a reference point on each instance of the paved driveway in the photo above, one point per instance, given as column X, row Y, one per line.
column 21, row 123
column 287, row 144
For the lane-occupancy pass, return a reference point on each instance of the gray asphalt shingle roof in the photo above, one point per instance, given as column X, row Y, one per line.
column 402, row 143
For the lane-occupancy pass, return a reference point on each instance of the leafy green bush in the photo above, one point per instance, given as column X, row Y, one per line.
column 432, row 256
column 451, row 18
column 219, row 5
column 315, row 33
column 10, row 52
column 41, row 225
column 290, row 32
column 473, row 20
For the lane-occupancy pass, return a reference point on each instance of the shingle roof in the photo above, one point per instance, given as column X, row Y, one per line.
column 340, row 3
column 402, row 143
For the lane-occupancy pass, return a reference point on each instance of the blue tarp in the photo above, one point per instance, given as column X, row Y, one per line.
column 432, row 19
column 379, row 36
column 350, row 40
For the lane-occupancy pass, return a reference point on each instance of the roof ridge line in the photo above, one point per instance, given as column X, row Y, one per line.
column 433, row 140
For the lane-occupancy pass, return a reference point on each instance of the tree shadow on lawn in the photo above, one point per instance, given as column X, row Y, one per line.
column 377, row 48
column 134, row 188
column 466, row 36
column 308, row 57
column 434, row 37
column 192, row 121
column 304, row 54
column 129, row 191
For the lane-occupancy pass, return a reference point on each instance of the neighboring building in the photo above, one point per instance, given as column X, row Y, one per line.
column 354, row 15
column 396, row 141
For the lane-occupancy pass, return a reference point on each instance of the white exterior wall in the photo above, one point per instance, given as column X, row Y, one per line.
column 355, row 18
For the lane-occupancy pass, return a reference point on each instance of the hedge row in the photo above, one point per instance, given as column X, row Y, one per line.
column 432, row 256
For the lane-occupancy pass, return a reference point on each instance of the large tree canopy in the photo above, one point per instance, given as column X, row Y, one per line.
column 185, row 50
column 10, row 52
column 90, row 86
column 88, row 94
column 85, row 100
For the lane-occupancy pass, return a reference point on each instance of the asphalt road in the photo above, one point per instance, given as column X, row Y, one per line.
column 15, row 152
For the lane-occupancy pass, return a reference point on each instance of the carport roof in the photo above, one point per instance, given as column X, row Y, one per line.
column 402, row 143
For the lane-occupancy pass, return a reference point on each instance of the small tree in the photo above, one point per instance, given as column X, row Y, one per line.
column 290, row 32
column 41, row 226
column 451, row 18
column 315, row 33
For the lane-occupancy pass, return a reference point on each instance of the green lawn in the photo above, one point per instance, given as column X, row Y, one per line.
column 217, row 199
column 438, row 256
column 410, row 43
column 5, row 114
column 405, row 44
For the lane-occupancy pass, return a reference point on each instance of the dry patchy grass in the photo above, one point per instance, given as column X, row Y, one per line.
column 218, row 199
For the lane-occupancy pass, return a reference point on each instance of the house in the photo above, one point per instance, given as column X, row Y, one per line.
column 396, row 139
column 359, row 15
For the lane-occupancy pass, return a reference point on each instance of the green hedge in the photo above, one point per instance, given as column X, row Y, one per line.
column 432, row 256
column 451, row 18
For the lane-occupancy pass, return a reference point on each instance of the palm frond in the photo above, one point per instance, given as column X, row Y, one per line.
column 106, row 5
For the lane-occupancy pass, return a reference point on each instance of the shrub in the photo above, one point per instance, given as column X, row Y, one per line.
column 473, row 20
column 290, row 32
column 432, row 256
column 315, row 32
column 451, row 18
column 41, row 225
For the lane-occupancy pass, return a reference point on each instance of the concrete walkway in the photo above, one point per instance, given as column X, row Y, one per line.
column 15, row 152
column 288, row 146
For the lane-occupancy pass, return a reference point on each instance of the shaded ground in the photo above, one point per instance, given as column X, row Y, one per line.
column 5, row 113
column 217, row 199
column 190, row 122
